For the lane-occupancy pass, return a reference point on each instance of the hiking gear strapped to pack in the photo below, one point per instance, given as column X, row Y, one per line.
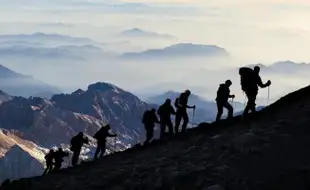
column 247, row 77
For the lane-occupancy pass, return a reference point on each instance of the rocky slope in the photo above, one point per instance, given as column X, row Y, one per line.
column 269, row 150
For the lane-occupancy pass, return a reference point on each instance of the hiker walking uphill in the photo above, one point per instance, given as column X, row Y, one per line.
column 76, row 146
column 223, row 94
column 149, row 119
column 250, row 80
column 49, row 162
column 101, row 137
column 164, row 112
column 58, row 156
column 181, row 105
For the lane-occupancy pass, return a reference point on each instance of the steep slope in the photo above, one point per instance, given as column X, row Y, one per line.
column 267, row 151
column 17, row 84
column 111, row 104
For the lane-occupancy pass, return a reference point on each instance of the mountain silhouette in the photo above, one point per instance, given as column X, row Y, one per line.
column 139, row 33
column 268, row 150
column 179, row 50
column 17, row 84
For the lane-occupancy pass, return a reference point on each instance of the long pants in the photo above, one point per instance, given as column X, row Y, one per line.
column 251, row 95
column 49, row 168
column 57, row 166
column 165, row 122
column 220, row 106
column 181, row 114
column 101, row 148
column 75, row 157
column 149, row 132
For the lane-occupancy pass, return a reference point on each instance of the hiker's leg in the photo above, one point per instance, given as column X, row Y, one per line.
column 169, row 124
column 102, row 149
column 230, row 110
column 97, row 151
column 185, row 121
column 248, row 105
column 252, row 98
column 162, row 128
column 219, row 111
column 178, row 118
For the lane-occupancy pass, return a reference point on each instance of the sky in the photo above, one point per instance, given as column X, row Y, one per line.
column 256, row 31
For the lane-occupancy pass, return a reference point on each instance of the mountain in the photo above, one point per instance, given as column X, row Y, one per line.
column 44, row 39
column 71, row 53
column 18, row 163
column 179, row 50
column 17, row 84
column 109, row 103
column 205, row 110
column 268, row 150
column 139, row 33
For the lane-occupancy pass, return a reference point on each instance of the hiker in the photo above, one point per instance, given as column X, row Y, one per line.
column 250, row 80
column 101, row 137
column 58, row 156
column 149, row 119
column 223, row 94
column 164, row 112
column 181, row 105
column 76, row 146
column 49, row 162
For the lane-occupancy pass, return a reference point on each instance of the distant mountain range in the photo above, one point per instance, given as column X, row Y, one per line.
column 139, row 33
column 179, row 50
column 17, row 84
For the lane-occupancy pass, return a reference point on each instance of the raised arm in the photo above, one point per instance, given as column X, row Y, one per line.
column 261, row 84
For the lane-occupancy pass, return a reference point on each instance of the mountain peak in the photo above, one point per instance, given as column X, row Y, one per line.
column 102, row 86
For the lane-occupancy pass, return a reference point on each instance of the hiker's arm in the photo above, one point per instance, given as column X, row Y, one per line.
column 192, row 107
column 172, row 110
column 112, row 135
column 232, row 96
column 261, row 84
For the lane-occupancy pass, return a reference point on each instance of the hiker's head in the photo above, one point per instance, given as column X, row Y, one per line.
column 108, row 127
column 256, row 69
column 81, row 134
column 187, row 92
column 60, row 149
column 153, row 110
column 228, row 83
column 168, row 101
column 51, row 151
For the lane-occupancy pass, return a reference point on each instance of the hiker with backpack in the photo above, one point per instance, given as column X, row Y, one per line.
column 250, row 80
column 223, row 94
column 149, row 119
column 49, row 158
column 101, row 137
column 164, row 112
column 76, row 146
column 181, row 105
column 58, row 156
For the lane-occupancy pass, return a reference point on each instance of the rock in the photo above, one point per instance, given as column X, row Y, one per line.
column 246, row 142
column 214, row 187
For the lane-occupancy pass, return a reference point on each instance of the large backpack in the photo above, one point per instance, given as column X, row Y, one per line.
column 246, row 77
column 176, row 103
column 145, row 116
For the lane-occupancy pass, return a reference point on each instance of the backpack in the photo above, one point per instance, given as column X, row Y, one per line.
column 160, row 110
column 246, row 76
column 176, row 103
column 145, row 116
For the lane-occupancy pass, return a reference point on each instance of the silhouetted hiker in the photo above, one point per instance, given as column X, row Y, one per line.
column 223, row 94
column 101, row 137
column 76, row 146
column 149, row 119
column 5, row 184
column 250, row 80
column 181, row 105
column 58, row 156
column 49, row 161
column 164, row 112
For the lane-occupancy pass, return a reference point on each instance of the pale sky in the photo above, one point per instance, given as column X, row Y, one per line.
column 251, row 31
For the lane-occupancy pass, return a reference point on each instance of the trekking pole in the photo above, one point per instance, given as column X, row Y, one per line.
column 268, row 97
column 194, row 113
